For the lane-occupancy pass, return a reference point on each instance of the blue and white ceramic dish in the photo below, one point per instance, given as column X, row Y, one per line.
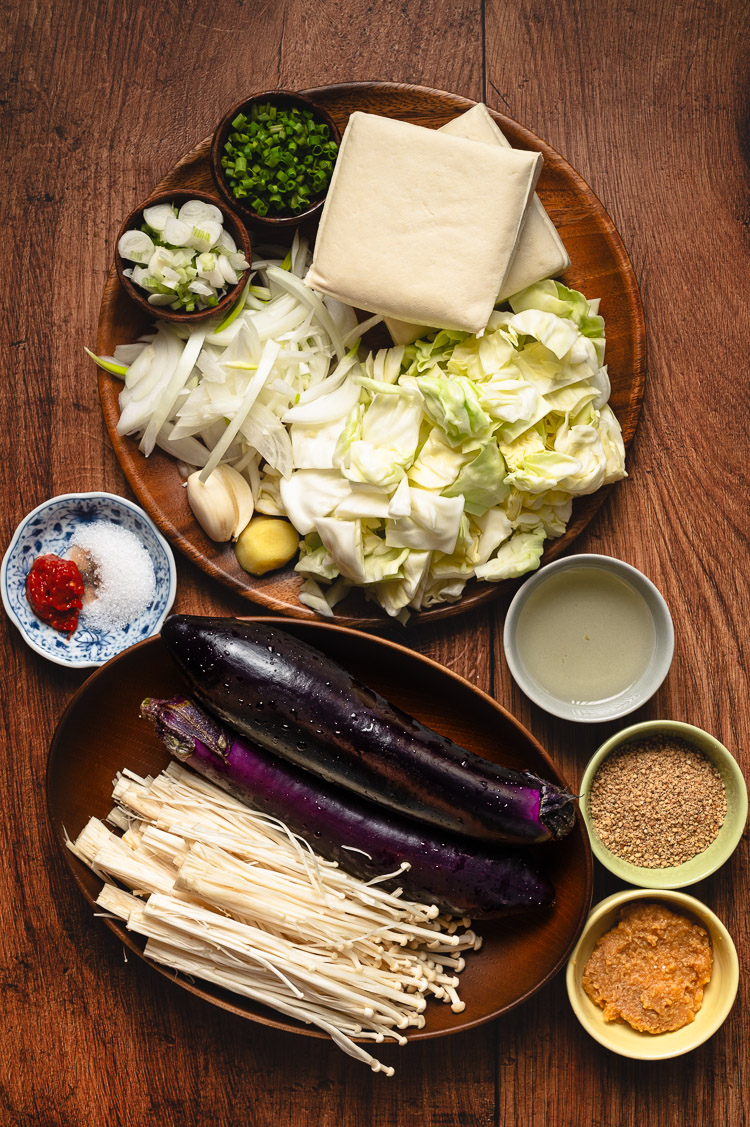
column 50, row 528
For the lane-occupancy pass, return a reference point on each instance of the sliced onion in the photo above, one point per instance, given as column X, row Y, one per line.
column 177, row 233
column 197, row 212
column 157, row 216
column 226, row 243
column 226, row 270
column 136, row 246
column 204, row 235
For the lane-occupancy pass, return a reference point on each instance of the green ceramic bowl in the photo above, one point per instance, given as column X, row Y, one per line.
column 723, row 846
column 718, row 997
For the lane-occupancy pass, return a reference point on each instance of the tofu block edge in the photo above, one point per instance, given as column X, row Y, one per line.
column 540, row 252
column 406, row 201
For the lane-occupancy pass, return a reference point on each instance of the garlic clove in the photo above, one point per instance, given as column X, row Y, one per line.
column 213, row 505
column 242, row 496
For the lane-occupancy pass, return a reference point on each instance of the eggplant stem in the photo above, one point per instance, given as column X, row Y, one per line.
column 179, row 723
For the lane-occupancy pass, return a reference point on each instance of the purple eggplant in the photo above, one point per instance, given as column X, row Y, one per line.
column 299, row 704
column 459, row 876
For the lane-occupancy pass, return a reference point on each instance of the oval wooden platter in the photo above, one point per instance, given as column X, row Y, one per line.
column 100, row 733
column 599, row 267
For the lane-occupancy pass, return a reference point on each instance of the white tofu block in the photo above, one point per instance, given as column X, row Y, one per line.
column 419, row 225
column 540, row 252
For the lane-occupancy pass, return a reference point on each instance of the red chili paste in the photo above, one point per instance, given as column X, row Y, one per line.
column 53, row 588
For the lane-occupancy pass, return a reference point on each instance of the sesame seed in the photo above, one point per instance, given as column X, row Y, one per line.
column 657, row 802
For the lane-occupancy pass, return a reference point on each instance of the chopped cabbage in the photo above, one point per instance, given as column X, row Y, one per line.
column 408, row 471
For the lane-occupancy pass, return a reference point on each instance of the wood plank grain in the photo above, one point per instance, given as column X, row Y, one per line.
column 657, row 128
column 99, row 100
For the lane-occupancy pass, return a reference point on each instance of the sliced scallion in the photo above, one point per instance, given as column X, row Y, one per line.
column 110, row 366
column 280, row 160
column 185, row 261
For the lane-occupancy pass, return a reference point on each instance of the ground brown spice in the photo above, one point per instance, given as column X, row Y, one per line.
column 657, row 802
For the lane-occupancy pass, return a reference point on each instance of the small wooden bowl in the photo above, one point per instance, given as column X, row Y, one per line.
column 140, row 296
column 286, row 98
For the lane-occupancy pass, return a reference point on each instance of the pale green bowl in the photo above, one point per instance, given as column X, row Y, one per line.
column 726, row 841
column 718, row 997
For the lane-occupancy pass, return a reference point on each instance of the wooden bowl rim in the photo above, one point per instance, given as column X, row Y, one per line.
column 231, row 221
column 77, row 868
column 269, row 223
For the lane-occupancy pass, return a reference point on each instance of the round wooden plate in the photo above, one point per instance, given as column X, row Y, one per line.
column 600, row 268
column 100, row 733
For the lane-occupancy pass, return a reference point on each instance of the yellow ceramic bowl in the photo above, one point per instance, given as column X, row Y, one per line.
column 718, row 997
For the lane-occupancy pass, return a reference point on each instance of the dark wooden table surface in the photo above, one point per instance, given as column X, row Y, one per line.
column 649, row 102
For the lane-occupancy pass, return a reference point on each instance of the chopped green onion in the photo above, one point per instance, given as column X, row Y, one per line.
column 235, row 311
column 280, row 161
column 108, row 365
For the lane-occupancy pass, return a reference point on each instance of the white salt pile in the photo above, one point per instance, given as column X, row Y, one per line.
column 123, row 575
